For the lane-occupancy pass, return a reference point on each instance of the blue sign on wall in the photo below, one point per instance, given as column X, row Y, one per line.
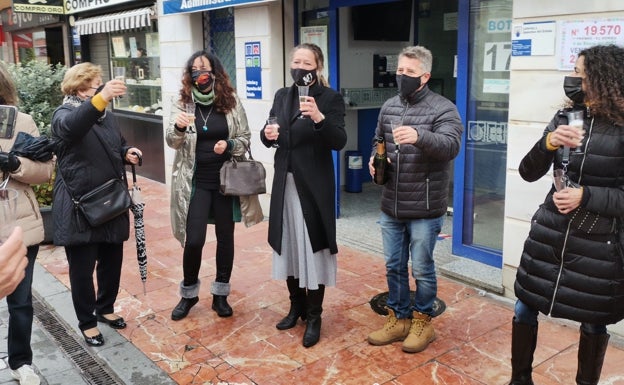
column 180, row 6
column 253, row 70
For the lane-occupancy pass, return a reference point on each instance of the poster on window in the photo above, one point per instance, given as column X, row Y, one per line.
column 577, row 35
column 317, row 35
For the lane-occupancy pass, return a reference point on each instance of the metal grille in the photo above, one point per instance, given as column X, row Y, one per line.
column 94, row 370
column 221, row 39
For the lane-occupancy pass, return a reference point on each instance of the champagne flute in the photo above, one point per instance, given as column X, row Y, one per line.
column 119, row 73
column 575, row 119
column 394, row 124
column 189, row 108
column 272, row 121
column 303, row 97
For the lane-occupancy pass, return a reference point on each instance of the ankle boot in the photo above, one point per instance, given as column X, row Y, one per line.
column 220, row 292
column 297, row 305
column 591, row 353
column 314, row 303
column 523, row 341
column 189, row 299
column 220, row 305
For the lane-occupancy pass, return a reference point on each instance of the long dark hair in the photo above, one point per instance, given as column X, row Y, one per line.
column 604, row 91
column 224, row 92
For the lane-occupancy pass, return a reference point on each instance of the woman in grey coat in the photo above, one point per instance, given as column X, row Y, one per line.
column 217, row 131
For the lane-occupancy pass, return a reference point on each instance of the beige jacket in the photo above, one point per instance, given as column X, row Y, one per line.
column 29, row 172
column 184, row 162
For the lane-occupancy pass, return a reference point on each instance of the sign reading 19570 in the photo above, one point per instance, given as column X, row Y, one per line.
column 603, row 30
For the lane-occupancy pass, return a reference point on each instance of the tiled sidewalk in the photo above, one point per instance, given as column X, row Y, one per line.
column 472, row 347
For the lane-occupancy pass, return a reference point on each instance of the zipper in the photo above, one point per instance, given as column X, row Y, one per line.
column 398, row 163
column 34, row 209
column 563, row 249
column 591, row 126
column 427, row 191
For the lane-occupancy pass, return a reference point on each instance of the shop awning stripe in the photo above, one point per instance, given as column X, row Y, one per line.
column 136, row 18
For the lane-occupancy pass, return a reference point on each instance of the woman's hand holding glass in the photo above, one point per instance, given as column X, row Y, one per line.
column 568, row 199
column 271, row 130
column 112, row 89
column 567, row 136
column 309, row 109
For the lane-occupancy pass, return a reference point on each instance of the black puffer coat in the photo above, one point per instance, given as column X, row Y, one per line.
column 83, row 164
column 419, row 174
column 564, row 271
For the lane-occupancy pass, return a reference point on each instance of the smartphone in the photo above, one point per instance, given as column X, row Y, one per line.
column 8, row 116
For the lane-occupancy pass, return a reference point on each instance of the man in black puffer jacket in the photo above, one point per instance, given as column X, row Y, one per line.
column 426, row 138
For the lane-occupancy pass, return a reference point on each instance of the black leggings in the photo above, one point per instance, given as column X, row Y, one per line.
column 207, row 204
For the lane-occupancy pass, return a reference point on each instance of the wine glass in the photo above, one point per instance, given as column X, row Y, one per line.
column 119, row 73
column 272, row 121
column 8, row 205
column 303, row 97
column 559, row 179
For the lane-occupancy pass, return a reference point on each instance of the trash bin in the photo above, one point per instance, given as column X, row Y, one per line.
column 353, row 172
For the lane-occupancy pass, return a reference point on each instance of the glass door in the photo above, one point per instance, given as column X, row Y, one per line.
column 485, row 55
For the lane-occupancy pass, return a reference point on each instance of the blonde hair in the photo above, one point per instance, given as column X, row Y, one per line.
column 318, row 58
column 80, row 77
column 8, row 91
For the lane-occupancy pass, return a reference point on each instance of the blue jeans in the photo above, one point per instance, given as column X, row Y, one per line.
column 402, row 238
column 526, row 315
column 21, row 316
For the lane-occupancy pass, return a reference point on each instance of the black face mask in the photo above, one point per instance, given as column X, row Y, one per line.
column 572, row 86
column 203, row 80
column 303, row 77
column 408, row 85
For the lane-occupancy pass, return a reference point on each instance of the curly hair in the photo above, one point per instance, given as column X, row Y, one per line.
column 604, row 91
column 225, row 100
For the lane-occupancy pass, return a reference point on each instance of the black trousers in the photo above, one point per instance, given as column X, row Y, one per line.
column 205, row 204
column 106, row 259
column 21, row 316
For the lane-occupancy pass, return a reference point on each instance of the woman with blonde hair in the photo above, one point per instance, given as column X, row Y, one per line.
column 91, row 151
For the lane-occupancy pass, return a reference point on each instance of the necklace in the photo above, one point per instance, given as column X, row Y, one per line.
column 205, row 128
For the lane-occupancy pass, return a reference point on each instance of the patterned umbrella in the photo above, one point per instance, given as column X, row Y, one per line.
column 137, row 208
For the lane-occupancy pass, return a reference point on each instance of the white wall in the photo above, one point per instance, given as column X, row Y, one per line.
column 536, row 92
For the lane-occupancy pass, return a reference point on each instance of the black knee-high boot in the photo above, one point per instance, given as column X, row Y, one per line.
column 523, row 342
column 297, row 305
column 314, row 303
column 591, row 353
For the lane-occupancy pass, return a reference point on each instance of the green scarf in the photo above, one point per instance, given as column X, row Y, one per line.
column 203, row 99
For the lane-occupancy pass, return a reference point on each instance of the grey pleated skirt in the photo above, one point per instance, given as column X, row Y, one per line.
column 297, row 259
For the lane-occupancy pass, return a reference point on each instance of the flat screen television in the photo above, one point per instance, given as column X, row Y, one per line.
column 382, row 22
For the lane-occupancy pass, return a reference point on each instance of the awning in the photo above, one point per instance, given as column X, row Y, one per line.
column 136, row 18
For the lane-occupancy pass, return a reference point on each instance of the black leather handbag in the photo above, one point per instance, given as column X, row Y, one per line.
column 104, row 202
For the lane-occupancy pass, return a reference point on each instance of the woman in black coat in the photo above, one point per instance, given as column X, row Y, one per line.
column 302, row 219
column 90, row 151
column 572, row 265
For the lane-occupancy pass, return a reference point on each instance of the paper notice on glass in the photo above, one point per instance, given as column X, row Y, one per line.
column 119, row 47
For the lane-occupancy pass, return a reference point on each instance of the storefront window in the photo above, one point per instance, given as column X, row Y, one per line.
column 486, row 126
column 139, row 54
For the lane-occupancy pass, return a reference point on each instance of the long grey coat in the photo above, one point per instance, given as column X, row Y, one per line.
column 185, row 144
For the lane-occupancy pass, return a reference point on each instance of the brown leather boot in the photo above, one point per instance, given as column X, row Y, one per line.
column 393, row 330
column 421, row 334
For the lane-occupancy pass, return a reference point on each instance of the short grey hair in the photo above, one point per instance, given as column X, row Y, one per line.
column 419, row 53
